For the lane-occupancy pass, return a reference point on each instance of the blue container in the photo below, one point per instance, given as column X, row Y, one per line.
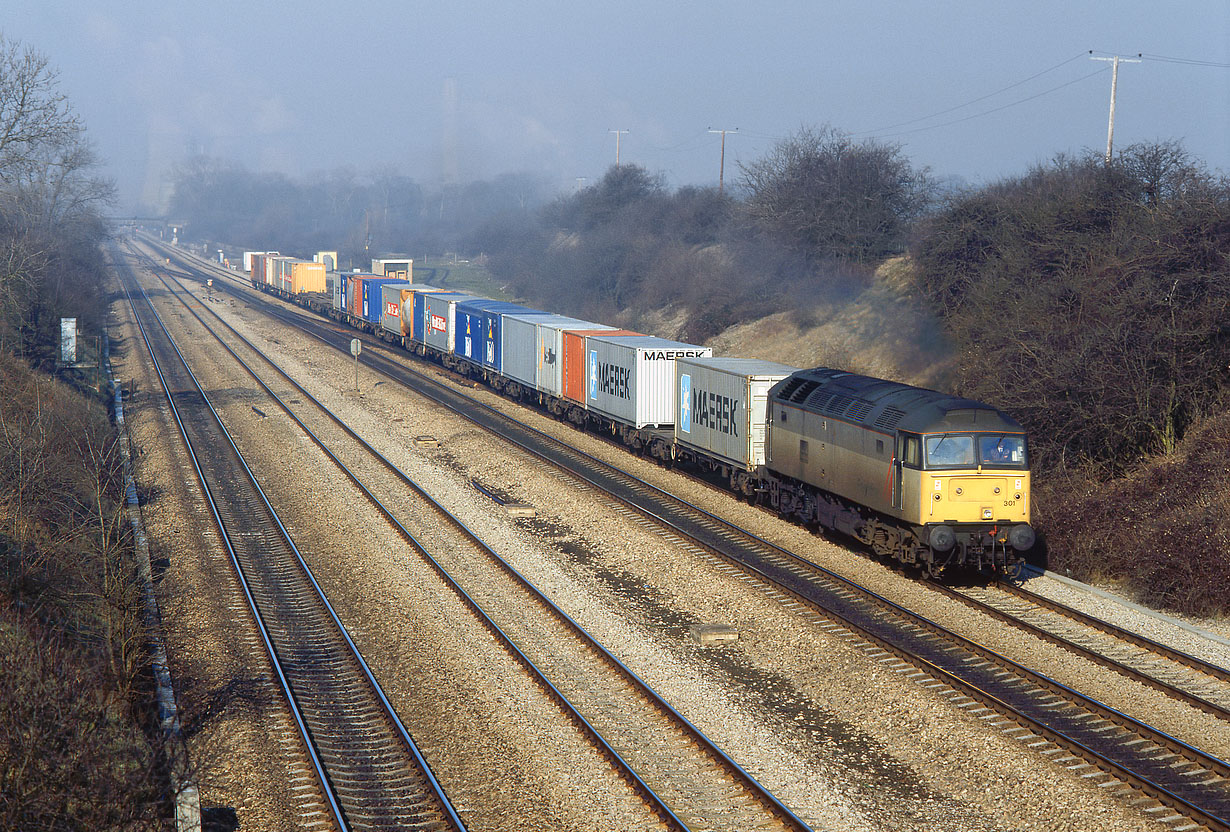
column 373, row 301
column 478, row 330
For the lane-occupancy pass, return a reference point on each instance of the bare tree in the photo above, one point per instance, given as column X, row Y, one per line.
column 34, row 114
column 831, row 197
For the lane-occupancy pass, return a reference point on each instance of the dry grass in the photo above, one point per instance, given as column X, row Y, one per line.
column 883, row 332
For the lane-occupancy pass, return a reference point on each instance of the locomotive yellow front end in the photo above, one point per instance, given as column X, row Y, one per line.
column 972, row 497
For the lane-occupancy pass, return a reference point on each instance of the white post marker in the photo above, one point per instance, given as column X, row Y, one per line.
column 356, row 347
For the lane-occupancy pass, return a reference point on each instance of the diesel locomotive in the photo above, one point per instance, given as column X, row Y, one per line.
column 921, row 476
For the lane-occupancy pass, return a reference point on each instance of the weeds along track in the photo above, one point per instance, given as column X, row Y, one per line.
column 369, row 772
column 683, row 777
column 1168, row 779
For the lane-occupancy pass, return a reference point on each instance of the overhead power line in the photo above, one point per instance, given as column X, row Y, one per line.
column 1188, row 61
column 972, row 101
column 995, row 109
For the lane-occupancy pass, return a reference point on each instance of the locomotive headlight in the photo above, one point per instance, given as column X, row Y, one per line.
column 1018, row 496
column 986, row 514
column 937, row 496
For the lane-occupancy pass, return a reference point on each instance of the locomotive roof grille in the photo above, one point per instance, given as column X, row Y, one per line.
column 798, row 393
column 858, row 410
column 889, row 418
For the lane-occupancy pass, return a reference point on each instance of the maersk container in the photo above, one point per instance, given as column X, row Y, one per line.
column 631, row 378
column 398, row 316
column 721, row 406
column 439, row 316
column 573, row 373
column 521, row 346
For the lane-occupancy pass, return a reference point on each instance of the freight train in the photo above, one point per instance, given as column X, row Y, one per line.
column 930, row 480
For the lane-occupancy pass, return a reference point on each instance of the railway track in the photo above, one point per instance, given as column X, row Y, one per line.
column 684, row 777
column 1193, row 681
column 369, row 774
column 1173, row 781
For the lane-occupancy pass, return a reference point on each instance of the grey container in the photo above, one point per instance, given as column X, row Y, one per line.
column 440, row 319
column 722, row 406
column 551, row 348
column 532, row 348
column 398, row 300
column 631, row 378
column 335, row 281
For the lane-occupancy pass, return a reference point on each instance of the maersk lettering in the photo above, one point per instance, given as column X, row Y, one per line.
column 671, row 355
column 615, row 380
column 718, row 413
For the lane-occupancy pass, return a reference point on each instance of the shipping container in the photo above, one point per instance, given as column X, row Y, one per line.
column 438, row 315
column 721, row 406
column 573, row 368
column 280, row 278
column 307, row 277
column 550, row 349
column 398, row 316
column 258, row 266
column 354, row 292
column 273, row 263
column 372, row 289
column 414, row 307
column 337, row 288
column 402, row 268
column 479, row 328
column 521, row 345
column 631, row 378
column 327, row 258
column 247, row 259
column 363, row 295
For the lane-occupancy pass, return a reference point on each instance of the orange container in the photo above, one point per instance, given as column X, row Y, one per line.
column 574, row 366
column 307, row 277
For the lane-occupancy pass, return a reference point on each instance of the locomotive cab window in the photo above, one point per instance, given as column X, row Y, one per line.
column 950, row 450
column 911, row 452
column 1001, row 451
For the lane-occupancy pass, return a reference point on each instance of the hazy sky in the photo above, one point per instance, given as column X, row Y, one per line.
column 468, row 89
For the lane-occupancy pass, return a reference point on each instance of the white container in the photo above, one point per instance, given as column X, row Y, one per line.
column 631, row 378
column 722, row 406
